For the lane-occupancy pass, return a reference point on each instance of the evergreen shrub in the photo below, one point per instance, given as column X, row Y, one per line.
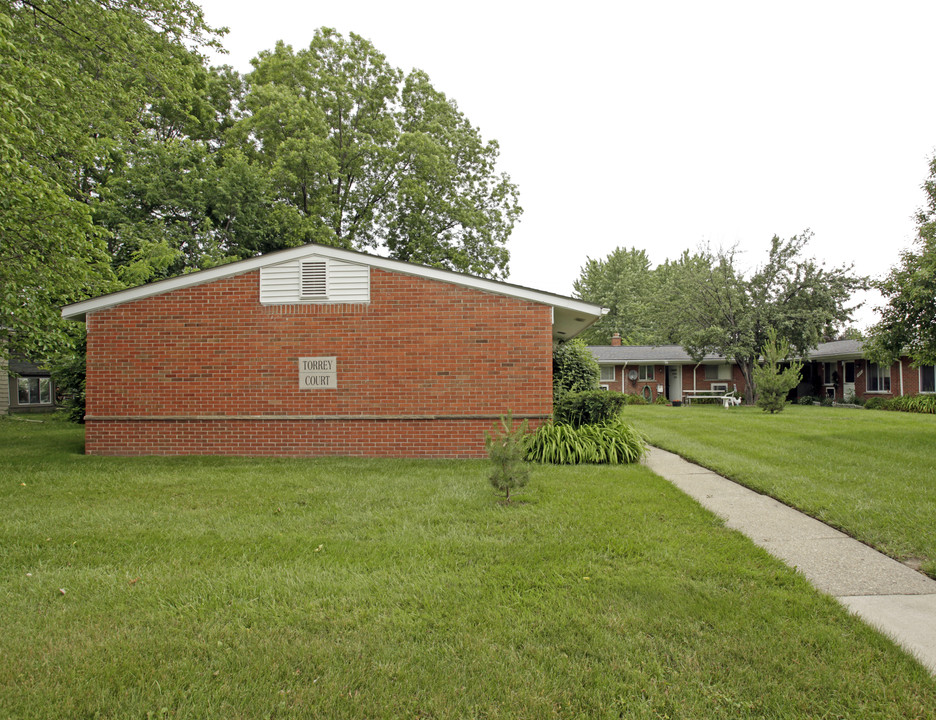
column 772, row 380
column 507, row 449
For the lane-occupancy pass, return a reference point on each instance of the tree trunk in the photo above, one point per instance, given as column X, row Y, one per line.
column 747, row 371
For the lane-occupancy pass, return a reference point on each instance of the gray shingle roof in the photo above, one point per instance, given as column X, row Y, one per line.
column 19, row 366
column 838, row 349
column 664, row 354
column 646, row 355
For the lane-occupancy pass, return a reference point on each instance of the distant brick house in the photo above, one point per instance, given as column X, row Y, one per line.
column 834, row 369
column 840, row 370
column 663, row 370
column 318, row 351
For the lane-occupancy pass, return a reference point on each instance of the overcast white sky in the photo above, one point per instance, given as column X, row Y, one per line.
column 660, row 125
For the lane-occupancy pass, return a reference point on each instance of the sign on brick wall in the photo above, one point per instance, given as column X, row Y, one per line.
column 318, row 373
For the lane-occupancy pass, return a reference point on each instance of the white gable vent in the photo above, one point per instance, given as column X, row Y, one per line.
column 314, row 279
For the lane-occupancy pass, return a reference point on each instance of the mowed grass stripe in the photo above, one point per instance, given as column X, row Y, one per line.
column 869, row 473
column 224, row 587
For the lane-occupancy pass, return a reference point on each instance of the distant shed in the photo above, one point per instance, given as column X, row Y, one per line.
column 318, row 351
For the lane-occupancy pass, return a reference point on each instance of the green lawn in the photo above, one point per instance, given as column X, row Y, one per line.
column 247, row 588
column 869, row 473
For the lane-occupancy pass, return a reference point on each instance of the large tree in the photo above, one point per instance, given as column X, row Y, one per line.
column 714, row 307
column 365, row 157
column 908, row 319
column 624, row 283
column 76, row 76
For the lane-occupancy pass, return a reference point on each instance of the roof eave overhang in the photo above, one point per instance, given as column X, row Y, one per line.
column 570, row 316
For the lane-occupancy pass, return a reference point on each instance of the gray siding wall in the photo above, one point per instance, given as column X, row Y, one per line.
column 4, row 388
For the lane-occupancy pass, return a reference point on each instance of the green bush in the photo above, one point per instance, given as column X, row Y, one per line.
column 612, row 442
column 807, row 400
column 635, row 399
column 874, row 403
column 661, row 400
column 911, row 403
column 574, row 369
column 827, row 401
column 588, row 407
column 69, row 375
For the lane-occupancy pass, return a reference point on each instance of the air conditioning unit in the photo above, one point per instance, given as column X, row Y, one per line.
column 720, row 387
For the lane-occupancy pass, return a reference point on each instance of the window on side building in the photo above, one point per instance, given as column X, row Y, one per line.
column 879, row 379
column 34, row 390
column 927, row 378
column 718, row 372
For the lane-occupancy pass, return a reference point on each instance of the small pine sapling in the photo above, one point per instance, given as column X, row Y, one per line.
column 507, row 449
column 773, row 381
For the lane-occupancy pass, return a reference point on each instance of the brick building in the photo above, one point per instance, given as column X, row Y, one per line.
column 835, row 369
column 663, row 370
column 839, row 370
column 318, row 351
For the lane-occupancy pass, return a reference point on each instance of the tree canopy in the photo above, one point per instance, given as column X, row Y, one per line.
column 908, row 318
column 625, row 284
column 126, row 159
column 76, row 76
column 365, row 157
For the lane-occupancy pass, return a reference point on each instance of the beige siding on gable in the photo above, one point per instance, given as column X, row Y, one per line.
column 347, row 282
column 4, row 387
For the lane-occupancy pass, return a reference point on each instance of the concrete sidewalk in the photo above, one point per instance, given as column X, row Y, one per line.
column 886, row 594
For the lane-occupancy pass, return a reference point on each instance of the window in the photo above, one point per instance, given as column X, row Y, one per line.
column 314, row 280
column 718, row 372
column 645, row 372
column 34, row 390
column 829, row 369
column 878, row 378
column 927, row 378
column 607, row 373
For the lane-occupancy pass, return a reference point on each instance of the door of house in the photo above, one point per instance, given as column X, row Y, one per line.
column 674, row 378
column 848, row 387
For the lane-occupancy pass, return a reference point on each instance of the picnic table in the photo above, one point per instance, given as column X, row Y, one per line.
column 725, row 398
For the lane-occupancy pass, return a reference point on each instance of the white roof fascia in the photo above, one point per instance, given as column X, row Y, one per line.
column 78, row 310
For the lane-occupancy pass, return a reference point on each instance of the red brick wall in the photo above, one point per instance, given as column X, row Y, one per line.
column 423, row 370
column 636, row 387
column 911, row 380
column 736, row 381
column 622, row 383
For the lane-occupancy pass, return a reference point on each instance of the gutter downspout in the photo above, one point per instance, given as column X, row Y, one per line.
column 900, row 366
column 695, row 375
